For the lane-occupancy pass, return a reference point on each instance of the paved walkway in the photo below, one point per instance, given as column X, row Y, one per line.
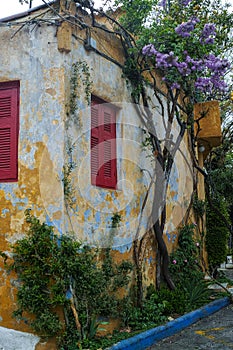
column 211, row 333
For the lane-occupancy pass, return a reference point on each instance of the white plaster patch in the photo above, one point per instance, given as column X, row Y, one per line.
column 15, row 340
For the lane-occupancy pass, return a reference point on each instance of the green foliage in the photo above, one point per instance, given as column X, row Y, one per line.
column 79, row 74
column 199, row 207
column 97, row 343
column 80, row 77
column 191, row 289
column 132, row 73
column 135, row 14
column 198, row 294
column 151, row 20
column 222, row 278
column 222, row 180
column 149, row 315
column 116, row 219
column 220, row 167
column 36, row 262
column 147, row 146
column 188, row 295
column 217, row 234
column 185, row 261
column 59, row 272
column 175, row 301
column 68, row 188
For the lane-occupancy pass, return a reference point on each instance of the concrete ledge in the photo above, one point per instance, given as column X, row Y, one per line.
column 144, row 340
column 15, row 340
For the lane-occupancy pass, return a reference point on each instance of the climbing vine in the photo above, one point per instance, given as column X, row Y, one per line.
column 80, row 78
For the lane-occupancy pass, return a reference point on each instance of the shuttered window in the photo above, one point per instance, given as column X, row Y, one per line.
column 103, row 144
column 9, row 127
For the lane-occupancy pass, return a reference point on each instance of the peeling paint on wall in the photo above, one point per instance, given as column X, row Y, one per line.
column 44, row 75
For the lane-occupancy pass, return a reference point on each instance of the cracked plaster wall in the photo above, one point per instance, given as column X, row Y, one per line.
column 32, row 57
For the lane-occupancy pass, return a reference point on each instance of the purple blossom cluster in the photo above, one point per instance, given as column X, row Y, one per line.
column 165, row 61
column 208, row 34
column 195, row 65
column 184, row 29
column 211, row 67
column 149, row 50
column 217, row 68
column 163, row 3
column 206, row 73
column 217, row 65
column 185, row 2
column 207, row 84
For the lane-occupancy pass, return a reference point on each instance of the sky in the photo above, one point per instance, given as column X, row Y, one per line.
column 11, row 7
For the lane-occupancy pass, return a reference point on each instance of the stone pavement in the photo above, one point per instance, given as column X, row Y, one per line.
column 228, row 273
column 213, row 332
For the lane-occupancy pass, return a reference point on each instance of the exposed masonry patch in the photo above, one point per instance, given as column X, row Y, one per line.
column 14, row 340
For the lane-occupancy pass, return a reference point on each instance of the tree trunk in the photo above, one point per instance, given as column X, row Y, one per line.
column 157, row 209
column 164, row 255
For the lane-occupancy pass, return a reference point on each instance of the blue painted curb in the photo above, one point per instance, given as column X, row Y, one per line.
column 144, row 340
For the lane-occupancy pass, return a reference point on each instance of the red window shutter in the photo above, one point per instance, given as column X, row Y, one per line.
column 9, row 114
column 95, row 143
column 103, row 145
column 109, row 146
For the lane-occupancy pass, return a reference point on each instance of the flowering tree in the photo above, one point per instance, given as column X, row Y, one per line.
column 185, row 43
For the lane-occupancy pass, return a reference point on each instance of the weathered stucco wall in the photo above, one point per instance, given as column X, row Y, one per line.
column 32, row 57
column 29, row 58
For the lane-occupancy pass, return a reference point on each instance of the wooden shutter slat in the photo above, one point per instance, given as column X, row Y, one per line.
column 94, row 156
column 94, row 117
column 107, row 121
column 107, row 159
column 5, row 107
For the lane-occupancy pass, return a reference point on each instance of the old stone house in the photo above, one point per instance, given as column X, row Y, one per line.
column 62, row 94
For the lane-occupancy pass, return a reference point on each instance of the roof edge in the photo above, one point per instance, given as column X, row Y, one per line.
column 26, row 13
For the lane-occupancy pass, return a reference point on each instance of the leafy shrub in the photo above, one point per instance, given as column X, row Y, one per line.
column 185, row 298
column 62, row 274
column 191, row 289
column 150, row 315
column 184, row 262
column 217, row 235
column 174, row 301
column 198, row 294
